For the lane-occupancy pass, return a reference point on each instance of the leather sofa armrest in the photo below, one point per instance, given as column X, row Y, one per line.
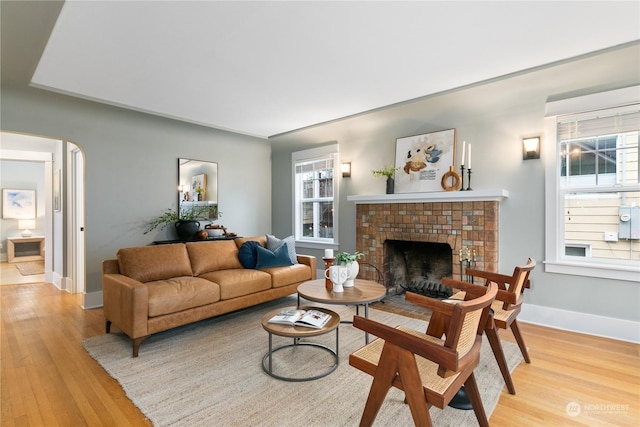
column 126, row 304
column 311, row 262
column 110, row 266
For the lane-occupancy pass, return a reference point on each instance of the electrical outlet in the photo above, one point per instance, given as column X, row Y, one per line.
column 610, row 236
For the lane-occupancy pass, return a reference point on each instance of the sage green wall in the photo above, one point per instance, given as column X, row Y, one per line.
column 493, row 117
column 132, row 172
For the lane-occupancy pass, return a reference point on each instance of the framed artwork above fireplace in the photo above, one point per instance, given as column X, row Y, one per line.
column 423, row 160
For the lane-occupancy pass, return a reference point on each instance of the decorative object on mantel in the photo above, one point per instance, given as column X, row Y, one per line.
column 351, row 262
column 456, row 181
column 388, row 172
column 464, row 146
column 424, row 160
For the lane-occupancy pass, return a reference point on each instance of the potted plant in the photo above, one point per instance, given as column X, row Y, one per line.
column 389, row 173
column 351, row 262
column 185, row 220
column 200, row 192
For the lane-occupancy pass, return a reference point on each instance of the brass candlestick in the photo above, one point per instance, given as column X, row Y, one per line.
column 328, row 262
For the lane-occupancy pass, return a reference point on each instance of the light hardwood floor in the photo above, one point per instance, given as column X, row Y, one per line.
column 47, row 379
column 9, row 275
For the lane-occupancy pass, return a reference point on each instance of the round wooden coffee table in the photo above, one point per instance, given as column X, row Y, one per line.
column 363, row 293
column 297, row 332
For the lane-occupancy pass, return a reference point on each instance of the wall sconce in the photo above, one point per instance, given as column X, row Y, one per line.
column 346, row 169
column 531, row 148
column 25, row 225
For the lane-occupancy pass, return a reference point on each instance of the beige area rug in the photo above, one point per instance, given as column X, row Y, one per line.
column 210, row 373
column 30, row 268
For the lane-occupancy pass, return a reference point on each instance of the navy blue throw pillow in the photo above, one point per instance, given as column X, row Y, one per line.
column 278, row 258
column 247, row 254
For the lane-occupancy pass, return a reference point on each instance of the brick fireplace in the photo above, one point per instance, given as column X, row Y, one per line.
column 459, row 220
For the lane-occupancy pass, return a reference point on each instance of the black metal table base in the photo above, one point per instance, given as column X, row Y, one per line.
column 461, row 400
column 267, row 360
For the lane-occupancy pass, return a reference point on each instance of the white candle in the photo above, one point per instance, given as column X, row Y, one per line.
column 328, row 253
column 469, row 156
column 464, row 143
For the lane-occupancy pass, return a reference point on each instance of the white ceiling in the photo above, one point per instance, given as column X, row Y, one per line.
column 264, row 68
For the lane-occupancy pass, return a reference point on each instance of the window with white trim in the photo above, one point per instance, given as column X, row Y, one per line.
column 315, row 189
column 593, row 189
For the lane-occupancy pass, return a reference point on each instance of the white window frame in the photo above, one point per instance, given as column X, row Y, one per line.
column 555, row 260
column 324, row 152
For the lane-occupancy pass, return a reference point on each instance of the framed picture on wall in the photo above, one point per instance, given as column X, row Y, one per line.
column 423, row 160
column 18, row 204
column 199, row 185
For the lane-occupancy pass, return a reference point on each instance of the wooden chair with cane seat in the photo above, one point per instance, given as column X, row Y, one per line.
column 430, row 370
column 506, row 308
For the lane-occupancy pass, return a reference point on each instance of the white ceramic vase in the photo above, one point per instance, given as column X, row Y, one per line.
column 354, row 269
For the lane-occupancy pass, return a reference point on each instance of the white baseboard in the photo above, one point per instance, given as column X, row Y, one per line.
column 591, row 324
column 92, row 300
column 53, row 277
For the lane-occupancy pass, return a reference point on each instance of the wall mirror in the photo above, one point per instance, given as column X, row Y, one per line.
column 198, row 187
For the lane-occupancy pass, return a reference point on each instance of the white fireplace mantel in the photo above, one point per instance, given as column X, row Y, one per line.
column 443, row 196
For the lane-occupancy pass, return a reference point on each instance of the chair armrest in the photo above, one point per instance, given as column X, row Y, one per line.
column 473, row 290
column 311, row 261
column 501, row 279
column 430, row 303
column 126, row 304
column 443, row 356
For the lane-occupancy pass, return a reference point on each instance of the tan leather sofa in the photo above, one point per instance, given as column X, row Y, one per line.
column 149, row 289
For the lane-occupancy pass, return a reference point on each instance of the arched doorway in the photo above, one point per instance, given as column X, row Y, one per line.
column 63, row 213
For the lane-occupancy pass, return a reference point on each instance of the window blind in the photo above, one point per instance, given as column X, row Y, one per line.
column 315, row 165
column 612, row 121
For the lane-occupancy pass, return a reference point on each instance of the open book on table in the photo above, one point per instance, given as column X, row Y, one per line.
column 309, row 318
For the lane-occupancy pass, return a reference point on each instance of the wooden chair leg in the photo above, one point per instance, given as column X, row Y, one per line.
column 523, row 348
column 108, row 326
column 382, row 382
column 471, row 387
column 136, row 344
column 496, row 347
column 394, row 361
column 413, row 389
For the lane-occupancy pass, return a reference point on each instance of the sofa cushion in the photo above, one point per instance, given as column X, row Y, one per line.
column 278, row 258
column 248, row 254
column 239, row 282
column 274, row 243
column 180, row 293
column 283, row 276
column 213, row 256
column 148, row 263
column 260, row 239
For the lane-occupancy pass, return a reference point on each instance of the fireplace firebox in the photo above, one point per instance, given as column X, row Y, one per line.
column 418, row 267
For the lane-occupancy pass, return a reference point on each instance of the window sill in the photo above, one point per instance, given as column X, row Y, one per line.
column 316, row 245
column 605, row 271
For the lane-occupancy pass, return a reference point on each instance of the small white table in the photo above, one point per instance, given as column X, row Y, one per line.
column 11, row 249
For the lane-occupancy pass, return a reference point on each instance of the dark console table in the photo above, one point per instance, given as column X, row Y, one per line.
column 167, row 242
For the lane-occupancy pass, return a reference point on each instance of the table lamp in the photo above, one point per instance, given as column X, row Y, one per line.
column 25, row 225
